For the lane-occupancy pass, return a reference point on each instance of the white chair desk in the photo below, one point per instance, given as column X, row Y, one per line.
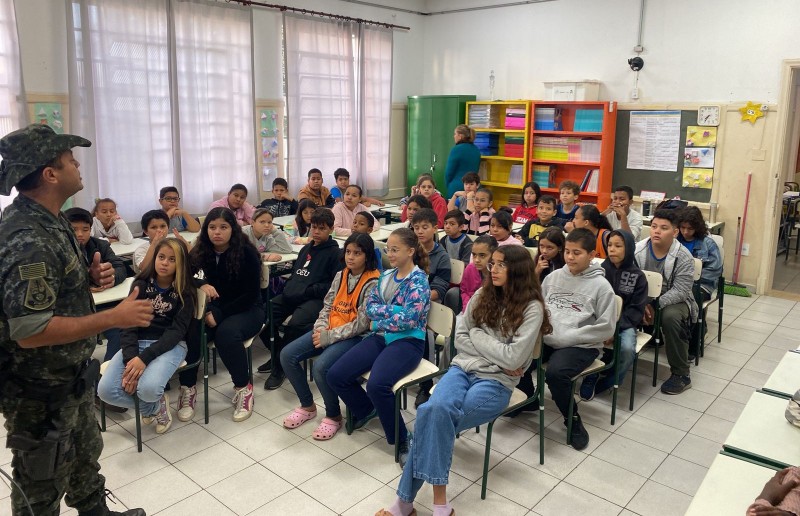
column 729, row 487
column 785, row 379
column 113, row 294
column 121, row 249
column 762, row 433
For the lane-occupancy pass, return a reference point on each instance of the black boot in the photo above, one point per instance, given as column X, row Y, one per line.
column 579, row 439
column 101, row 509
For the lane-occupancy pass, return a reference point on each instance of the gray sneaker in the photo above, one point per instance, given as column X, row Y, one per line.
column 163, row 416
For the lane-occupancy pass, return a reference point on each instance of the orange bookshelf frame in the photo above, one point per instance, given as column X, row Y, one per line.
column 576, row 170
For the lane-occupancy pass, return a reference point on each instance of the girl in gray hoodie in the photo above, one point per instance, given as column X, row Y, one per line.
column 495, row 339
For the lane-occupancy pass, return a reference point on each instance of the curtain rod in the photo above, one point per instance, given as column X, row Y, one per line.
column 284, row 8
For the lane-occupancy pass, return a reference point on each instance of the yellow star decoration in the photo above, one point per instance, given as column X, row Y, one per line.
column 751, row 112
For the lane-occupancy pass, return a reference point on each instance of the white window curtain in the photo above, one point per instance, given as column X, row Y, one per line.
column 164, row 91
column 375, row 80
column 119, row 85
column 12, row 101
column 321, row 89
column 214, row 74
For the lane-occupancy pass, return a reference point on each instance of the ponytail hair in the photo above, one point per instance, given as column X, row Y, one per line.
column 409, row 238
column 466, row 132
column 592, row 214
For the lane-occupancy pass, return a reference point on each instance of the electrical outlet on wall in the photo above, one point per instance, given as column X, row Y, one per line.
column 745, row 249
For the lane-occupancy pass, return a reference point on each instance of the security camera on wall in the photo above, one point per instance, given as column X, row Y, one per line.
column 636, row 63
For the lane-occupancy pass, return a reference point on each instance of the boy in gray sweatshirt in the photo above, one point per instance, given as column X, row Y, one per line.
column 583, row 315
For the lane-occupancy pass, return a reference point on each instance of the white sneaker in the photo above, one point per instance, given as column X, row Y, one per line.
column 147, row 419
column 243, row 401
column 186, row 403
column 163, row 416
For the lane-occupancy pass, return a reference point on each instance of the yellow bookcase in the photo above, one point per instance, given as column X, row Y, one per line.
column 503, row 131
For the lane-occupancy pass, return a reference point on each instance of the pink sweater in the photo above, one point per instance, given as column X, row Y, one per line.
column 470, row 282
column 344, row 218
column 244, row 215
column 509, row 241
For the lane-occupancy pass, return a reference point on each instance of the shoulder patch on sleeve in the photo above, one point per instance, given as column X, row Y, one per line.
column 38, row 295
column 32, row 271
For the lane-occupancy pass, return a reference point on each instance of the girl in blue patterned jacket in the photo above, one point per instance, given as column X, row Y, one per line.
column 398, row 308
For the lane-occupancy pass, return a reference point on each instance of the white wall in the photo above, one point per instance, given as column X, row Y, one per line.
column 710, row 51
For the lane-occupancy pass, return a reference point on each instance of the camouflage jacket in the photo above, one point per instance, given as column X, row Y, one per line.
column 43, row 274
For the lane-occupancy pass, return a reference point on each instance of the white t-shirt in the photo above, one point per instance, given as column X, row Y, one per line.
column 634, row 221
column 138, row 256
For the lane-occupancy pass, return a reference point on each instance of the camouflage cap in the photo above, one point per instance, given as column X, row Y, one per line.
column 25, row 150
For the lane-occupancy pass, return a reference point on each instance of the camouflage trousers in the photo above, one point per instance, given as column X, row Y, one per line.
column 78, row 476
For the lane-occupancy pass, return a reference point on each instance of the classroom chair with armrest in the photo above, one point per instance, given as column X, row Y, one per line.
column 654, row 283
column 518, row 400
column 596, row 367
column 698, row 298
column 442, row 321
column 716, row 297
column 200, row 317
column 456, row 271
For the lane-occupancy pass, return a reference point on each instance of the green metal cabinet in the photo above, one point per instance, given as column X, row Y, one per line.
column 431, row 120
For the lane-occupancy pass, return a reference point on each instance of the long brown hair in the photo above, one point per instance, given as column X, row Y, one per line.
column 183, row 272
column 409, row 238
column 503, row 308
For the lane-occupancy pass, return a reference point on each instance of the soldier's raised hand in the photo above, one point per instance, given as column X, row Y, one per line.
column 132, row 312
column 102, row 273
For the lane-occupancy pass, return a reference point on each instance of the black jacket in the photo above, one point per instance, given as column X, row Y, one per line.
column 169, row 326
column 314, row 269
column 239, row 294
column 629, row 283
column 106, row 255
column 533, row 228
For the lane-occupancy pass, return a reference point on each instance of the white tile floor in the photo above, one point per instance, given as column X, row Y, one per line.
column 650, row 463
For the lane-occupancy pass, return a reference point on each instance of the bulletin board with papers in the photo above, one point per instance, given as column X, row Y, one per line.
column 659, row 154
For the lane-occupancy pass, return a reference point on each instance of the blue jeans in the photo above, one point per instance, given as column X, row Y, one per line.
column 151, row 383
column 460, row 401
column 387, row 364
column 303, row 348
column 627, row 349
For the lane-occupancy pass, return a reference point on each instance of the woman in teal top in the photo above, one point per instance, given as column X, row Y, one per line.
column 464, row 157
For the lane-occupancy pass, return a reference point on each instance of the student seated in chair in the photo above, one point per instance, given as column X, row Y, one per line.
column 694, row 237
column 457, row 244
column 151, row 355
column 663, row 253
column 619, row 212
column 398, row 310
column 342, row 324
column 302, row 297
column 629, row 283
column 314, row 190
column 179, row 219
column 495, row 340
column 439, row 271
column 583, row 314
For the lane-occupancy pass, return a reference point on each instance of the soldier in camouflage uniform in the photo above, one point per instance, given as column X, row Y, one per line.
column 48, row 330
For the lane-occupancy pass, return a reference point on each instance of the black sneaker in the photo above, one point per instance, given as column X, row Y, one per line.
column 587, row 387
column 403, row 452
column 275, row 380
column 579, row 438
column 363, row 421
column 265, row 367
column 101, row 509
column 532, row 407
column 676, row 384
column 422, row 397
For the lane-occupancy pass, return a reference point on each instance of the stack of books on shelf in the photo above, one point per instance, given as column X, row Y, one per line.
column 588, row 120
column 590, row 150
column 514, row 200
column 487, row 143
column 514, row 146
column 515, row 118
column 557, row 148
column 515, row 175
column 547, row 119
column 544, row 175
column 485, row 116
column 591, row 181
